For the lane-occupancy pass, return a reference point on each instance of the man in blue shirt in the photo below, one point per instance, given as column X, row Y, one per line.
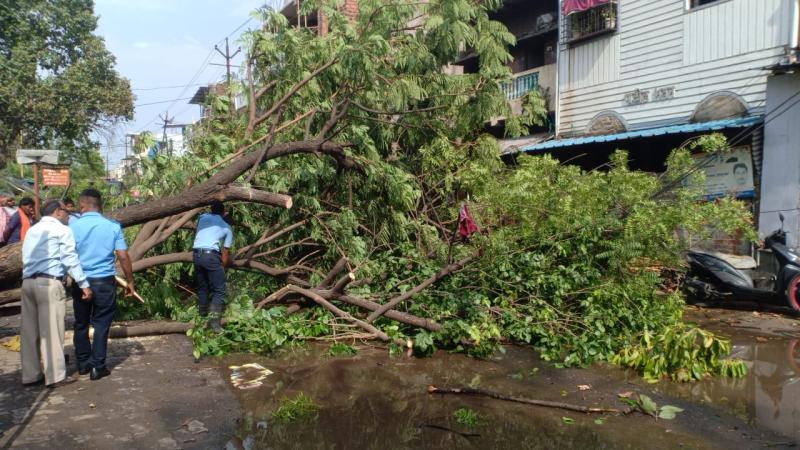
column 98, row 240
column 210, row 261
column 48, row 252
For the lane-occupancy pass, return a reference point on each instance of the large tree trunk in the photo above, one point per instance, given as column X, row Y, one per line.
column 10, row 296
column 216, row 188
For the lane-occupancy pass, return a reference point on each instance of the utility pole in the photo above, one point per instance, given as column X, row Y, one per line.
column 167, row 121
column 228, row 58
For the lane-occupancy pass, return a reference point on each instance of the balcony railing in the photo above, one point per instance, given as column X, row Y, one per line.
column 520, row 85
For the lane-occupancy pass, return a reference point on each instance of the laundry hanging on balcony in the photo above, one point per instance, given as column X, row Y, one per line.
column 573, row 6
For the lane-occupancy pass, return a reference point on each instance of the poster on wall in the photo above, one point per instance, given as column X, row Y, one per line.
column 728, row 173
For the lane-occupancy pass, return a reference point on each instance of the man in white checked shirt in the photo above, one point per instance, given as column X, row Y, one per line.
column 48, row 253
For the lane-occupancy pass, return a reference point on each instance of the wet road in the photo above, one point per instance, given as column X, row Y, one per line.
column 374, row 401
column 769, row 397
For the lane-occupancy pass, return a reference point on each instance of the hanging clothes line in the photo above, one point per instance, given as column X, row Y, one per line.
column 573, row 6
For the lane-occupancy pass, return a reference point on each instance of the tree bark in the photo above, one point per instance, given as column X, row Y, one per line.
column 149, row 329
column 10, row 296
column 217, row 187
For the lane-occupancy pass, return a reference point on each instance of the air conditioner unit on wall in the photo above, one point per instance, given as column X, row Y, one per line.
column 545, row 21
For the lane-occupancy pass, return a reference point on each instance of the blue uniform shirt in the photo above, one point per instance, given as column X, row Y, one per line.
column 97, row 239
column 211, row 229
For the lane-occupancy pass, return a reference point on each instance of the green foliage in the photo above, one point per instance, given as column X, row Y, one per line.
column 300, row 408
column 682, row 351
column 257, row 331
column 57, row 79
column 646, row 405
column 341, row 349
column 579, row 265
column 468, row 417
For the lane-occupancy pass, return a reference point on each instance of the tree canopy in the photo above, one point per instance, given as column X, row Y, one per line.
column 345, row 175
column 57, row 79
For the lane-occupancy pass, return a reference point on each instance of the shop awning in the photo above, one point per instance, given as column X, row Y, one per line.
column 509, row 146
column 713, row 125
column 573, row 6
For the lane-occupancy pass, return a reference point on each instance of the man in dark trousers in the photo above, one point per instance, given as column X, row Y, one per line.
column 210, row 260
column 98, row 240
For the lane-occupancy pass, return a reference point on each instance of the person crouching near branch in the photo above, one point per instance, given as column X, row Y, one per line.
column 48, row 251
column 210, row 262
column 98, row 240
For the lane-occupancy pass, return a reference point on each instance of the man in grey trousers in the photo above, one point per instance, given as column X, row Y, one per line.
column 48, row 253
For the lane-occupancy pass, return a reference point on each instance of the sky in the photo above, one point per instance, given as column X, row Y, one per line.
column 166, row 49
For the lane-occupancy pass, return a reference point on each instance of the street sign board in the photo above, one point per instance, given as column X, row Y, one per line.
column 55, row 176
column 33, row 156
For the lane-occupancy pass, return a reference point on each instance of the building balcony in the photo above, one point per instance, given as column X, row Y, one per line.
column 542, row 78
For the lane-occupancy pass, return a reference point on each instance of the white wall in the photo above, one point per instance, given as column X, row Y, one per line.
column 721, row 47
column 780, row 179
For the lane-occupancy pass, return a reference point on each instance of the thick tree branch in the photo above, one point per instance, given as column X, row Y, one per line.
column 338, row 312
column 254, row 196
column 447, row 270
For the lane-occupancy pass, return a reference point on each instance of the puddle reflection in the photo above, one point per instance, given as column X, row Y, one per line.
column 768, row 397
column 372, row 401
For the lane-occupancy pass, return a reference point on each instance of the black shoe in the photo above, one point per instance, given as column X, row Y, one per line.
column 84, row 370
column 96, row 373
column 215, row 325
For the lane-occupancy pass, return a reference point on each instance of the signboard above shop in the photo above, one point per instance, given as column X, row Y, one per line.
column 729, row 173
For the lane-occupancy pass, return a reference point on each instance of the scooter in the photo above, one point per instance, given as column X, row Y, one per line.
column 713, row 279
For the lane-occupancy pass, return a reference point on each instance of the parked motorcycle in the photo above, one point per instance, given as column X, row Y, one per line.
column 713, row 279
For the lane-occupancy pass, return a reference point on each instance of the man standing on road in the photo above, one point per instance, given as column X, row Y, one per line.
column 20, row 222
column 47, row 252
column 210, row 261
column 98, row 239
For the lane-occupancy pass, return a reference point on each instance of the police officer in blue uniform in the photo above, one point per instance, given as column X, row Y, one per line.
column 98, row 241
column 210, row 259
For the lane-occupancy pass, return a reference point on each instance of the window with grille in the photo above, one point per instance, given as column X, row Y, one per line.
column 592, row 22
column 698, row 3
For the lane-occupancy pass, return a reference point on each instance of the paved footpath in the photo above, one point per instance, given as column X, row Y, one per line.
column 155, row 398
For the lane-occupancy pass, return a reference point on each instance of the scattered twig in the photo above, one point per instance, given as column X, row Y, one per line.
column 528, row 401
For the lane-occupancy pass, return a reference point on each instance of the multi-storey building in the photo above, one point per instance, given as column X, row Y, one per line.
column 647, row 75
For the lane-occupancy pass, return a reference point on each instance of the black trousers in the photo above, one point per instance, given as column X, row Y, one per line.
column 210, row 280
column 99, row 311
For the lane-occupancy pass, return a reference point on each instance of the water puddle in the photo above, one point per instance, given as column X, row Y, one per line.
column 769, row 397
column 374, row 401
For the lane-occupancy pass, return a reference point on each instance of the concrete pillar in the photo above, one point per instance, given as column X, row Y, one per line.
column 780, row 176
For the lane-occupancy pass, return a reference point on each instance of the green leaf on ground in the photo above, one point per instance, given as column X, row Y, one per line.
column 647, row 405
column 668, row 412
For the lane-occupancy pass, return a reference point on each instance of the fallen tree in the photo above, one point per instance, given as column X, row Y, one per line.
column 347, row 176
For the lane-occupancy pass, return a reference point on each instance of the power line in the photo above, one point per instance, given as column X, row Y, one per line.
column 200, row 70
column 162, row 101
column 156, row 88
column 744, row 134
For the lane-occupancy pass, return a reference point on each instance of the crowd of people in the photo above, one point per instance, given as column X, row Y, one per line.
column 66, row 253
column 69, row 253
